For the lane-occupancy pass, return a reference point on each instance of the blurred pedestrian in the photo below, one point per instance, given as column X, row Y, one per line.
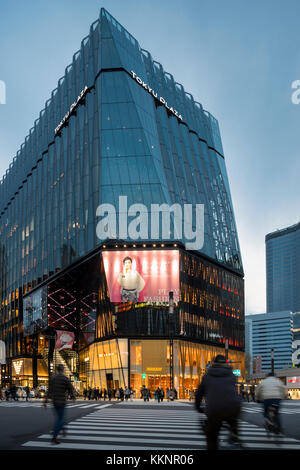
column 271, row 391
column 218, row 388
column 27, row 391
column 126, row 393
column 59, row 389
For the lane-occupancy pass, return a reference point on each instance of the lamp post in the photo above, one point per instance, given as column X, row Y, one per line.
column 226, row 349
column 171, row 319
column 272, row 360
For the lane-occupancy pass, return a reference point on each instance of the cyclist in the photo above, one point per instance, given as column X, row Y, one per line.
column 271, row 391
column 218, row 387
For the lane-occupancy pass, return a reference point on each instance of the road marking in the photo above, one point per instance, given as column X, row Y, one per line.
column 110, row 428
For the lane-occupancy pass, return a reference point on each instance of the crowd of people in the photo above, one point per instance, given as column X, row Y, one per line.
column 15, row 393
column 110, row 393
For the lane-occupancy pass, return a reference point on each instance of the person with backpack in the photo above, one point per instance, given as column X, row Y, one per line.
column 218, row 388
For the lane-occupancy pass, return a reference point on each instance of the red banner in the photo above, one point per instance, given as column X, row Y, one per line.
column 64, row 340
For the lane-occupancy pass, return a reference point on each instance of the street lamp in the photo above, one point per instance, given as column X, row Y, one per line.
column 272, row 360
column 171, row 319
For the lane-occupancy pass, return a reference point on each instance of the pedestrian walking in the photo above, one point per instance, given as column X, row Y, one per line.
column 27, row 391
column 13, row 393
column 144, row 393
column 131, row 394
column 162, row 394
column 85, row 393
column 59, row 389
column 127, row 393
column 172, row 394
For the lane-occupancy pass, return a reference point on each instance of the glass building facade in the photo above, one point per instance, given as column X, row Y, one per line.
column 117, row 126
column 267, row 331
column 283, row 269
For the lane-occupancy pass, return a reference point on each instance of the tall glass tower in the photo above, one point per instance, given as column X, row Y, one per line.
column 283, row 269
column 118, row 135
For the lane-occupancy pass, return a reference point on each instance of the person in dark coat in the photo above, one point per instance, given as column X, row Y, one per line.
column 218, row 388
column 27, row 390
column 60, row 388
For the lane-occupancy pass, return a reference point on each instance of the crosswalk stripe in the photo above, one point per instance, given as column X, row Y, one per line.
column 84, row 446
column 103, row 406
column 129, row 439
column 87, row 406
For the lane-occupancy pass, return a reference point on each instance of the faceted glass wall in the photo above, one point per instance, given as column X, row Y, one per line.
column 103, row 134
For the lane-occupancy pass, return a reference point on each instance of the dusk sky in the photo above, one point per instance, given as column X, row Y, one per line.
column 238, row 58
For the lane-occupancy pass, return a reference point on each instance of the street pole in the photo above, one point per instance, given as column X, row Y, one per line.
column 226, row 349
column 272, row 360
column 171, row 313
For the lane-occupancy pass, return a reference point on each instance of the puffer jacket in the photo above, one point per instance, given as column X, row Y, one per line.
column 271, row 387
column 218, row 387
column 59, row 389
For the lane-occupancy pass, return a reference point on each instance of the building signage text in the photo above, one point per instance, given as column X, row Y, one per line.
column 155, row 95
column 71, row 110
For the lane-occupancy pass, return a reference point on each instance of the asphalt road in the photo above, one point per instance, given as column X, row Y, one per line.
column 22, row 422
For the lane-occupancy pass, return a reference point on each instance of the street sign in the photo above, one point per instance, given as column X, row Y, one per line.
column 237, row 372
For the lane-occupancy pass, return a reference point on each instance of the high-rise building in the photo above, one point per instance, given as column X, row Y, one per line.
column 283, row 269
column 266, row 332
column 119, row 252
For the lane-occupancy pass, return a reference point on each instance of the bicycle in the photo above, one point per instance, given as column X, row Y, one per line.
column 271, row 423
column 230, row 442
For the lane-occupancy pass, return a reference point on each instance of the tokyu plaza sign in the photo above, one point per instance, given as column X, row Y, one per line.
column 73, row 107
column 155, row 95
column 81, row 96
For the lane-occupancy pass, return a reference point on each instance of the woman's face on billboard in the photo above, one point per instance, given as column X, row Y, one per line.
column 127, row 265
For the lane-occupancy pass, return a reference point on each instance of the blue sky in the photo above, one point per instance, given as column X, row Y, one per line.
column 238, row 58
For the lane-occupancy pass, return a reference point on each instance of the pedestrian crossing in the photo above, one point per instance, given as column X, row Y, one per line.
column 88, row 404
column 256, row 408
column 119, row 428
column 38, row 404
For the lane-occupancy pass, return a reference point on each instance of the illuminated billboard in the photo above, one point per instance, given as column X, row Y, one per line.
column 142, row 276
column 35, row 316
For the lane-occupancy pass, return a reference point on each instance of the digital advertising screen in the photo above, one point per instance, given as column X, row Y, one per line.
column 142, row 276
column 35, row 316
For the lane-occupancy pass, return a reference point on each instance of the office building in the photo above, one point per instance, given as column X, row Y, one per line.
column 100, row 213
column 267, row 331
column 283, row 269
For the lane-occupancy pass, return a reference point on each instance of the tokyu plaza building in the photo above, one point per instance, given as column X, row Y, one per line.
column 119, row 254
